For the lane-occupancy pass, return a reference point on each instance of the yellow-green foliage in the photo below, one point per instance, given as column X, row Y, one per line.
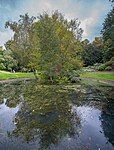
column 59, row 42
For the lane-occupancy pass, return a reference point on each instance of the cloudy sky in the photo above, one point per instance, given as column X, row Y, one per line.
column 91, row 13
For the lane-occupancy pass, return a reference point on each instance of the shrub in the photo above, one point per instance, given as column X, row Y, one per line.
column 112, row 59
column 96, row 66
column 2, row 67
column 72, row 74
column 62, row 80
column 24, row 69
column 102, row 67
column 89, row 69
column 109, row 63
column 108, row 68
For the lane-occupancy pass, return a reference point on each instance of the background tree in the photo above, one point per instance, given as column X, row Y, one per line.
column 108, row 35
column 92, row 52
column 9, row 62
column 2, row 67
column 111, row 1
column 6, row 60
column 23, row 45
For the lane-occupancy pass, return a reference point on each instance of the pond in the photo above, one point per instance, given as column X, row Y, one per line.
column 56, row 117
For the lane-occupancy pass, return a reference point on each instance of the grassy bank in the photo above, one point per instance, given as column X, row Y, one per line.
column 99, row 75
column 8, row 75
column 95, row 75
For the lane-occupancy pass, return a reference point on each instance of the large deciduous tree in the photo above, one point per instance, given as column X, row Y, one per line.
column 59, row 44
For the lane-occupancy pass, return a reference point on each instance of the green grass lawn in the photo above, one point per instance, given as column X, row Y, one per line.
column 99, row 75
column 95, row 75
column 8, row 75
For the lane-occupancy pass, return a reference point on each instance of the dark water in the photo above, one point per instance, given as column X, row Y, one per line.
column 68, row 117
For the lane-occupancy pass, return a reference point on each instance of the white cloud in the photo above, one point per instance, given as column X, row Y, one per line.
column 89, row 14
column 86, row 25
column 5, row 36
column 94, row 19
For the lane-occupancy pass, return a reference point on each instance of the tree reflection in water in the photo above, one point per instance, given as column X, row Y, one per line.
column 12, row 93
column 107, row 117
column 46, row 114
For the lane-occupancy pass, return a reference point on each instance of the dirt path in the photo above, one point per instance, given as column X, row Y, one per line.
column 14, row 80
column 107, row 82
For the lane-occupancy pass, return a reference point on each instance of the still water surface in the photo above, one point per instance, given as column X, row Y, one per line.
column 67, row 117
